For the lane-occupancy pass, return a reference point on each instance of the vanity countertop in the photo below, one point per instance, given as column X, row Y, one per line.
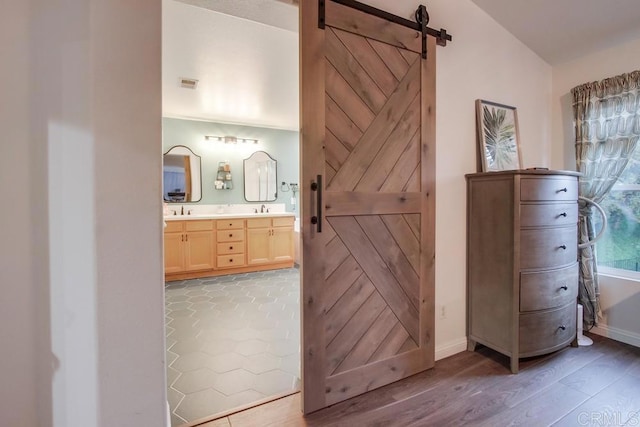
column 226, row 215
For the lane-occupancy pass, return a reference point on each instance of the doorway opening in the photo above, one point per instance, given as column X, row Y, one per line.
column 233, row 340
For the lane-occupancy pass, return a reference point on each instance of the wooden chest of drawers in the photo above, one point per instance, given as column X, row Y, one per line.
column 522, row 270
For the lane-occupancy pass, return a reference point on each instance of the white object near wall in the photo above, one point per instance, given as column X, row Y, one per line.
column 582, row 340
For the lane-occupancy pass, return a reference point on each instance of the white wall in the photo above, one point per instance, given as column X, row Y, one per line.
column 483, row 61
column 21, row 329
column 81, row 318
column 619, row 296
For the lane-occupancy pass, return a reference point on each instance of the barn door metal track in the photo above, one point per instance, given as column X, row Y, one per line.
column 421, row 15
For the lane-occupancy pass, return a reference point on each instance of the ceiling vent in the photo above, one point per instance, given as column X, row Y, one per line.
column 188, row 83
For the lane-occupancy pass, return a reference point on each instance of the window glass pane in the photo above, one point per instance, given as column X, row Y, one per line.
column 620, row 245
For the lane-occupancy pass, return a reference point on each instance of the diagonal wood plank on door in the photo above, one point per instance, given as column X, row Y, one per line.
column 374, row 137
column 409, row 56
column 337, row 253
column 407, row 241
column 349, row 335
column 340, row 125
column 377, row 172
column 388, row 249
column 413, row 220
column 391, row 345
column 353, row 73
column 340, row 280
column 370, row 341
column 344, row 95
column 335, row 151
column 360, row 247
column 392, row 57
column 401, row 173
column 347, row 306
column 369, row 60
column 413, row 184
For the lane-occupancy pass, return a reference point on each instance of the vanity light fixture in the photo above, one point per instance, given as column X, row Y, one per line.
column 230, row 139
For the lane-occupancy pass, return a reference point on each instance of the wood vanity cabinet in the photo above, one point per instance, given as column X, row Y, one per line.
column 230, row 243
column 188, row 246
column 270, row 240
column 522, row 270
column 213, row 247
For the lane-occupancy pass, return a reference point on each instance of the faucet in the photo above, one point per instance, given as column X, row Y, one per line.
column 262, row 209
column 181, row 210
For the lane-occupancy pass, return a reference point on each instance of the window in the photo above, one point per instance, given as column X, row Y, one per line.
column 619, row 247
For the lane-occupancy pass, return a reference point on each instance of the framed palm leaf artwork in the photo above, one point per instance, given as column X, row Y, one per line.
column 498, row 137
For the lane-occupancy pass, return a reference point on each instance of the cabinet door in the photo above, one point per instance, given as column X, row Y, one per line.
column 258, row 242
column 173, row 252
column 282, row 244
column 199, row 250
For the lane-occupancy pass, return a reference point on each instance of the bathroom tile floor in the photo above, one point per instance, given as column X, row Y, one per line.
column 231, row 340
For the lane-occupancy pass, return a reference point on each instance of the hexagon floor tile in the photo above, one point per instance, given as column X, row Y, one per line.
column 232, row 340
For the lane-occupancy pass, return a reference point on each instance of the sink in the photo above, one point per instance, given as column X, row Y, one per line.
column 226, row 215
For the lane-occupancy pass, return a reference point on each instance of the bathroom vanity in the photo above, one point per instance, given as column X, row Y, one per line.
column 218, row 244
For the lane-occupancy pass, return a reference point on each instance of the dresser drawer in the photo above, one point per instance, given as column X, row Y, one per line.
column 230, row 235
column 233, row 260
column 546, row 248
column 548, row 214
column 542, row 331
column 230, row 248
column 546, row 289
column 550, row 189
column 229, row 224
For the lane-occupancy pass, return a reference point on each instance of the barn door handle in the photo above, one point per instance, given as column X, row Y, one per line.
column 317, row 219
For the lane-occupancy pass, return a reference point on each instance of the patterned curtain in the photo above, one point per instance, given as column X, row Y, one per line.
column 607, row 126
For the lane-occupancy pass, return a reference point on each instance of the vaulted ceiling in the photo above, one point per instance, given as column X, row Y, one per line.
column 562, row 30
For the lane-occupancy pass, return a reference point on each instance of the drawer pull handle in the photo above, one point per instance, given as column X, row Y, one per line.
column 562, row 190
column 562, row 327
column 230, row 235
column 230, row 224
column 563, row 246
column 230, row 247
column 564, row 287
column 564, row 214
column 230, row 259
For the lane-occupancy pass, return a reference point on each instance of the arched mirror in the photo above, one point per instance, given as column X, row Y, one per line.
column 181, row 175
column 260, row 178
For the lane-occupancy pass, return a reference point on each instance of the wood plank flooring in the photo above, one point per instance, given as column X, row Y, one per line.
column 585, row 386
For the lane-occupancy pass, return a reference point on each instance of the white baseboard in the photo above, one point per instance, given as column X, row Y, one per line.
column 621, row 335
column 451, row 348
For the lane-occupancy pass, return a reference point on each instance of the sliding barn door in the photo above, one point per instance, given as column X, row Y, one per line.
column 368, row 159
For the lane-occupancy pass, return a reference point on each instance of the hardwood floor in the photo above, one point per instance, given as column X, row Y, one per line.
column 585, row 386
